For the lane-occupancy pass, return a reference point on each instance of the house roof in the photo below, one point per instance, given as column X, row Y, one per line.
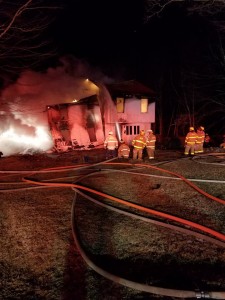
column 130, row 88
column 90, row 100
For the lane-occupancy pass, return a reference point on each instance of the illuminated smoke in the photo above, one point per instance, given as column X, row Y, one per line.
column 24, row 125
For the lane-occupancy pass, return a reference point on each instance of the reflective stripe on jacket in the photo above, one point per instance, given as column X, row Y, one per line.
column 139, row 142
column 111, row 143
column 124, row 149
column 200, row 137
column 150, row 142
column 191, row 138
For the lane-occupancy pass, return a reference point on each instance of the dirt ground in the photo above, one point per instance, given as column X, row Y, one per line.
column 40, row 259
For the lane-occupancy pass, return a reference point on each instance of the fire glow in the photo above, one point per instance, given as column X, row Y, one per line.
column 17, row 141
column 24, row 125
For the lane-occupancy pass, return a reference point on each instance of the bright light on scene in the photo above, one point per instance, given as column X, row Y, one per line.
column 23, row 138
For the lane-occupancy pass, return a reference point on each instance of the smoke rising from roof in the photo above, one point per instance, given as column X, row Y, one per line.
column 24, row 125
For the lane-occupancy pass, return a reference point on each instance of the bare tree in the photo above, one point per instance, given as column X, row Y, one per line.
column 193, row 92
column 203, row 7
column 23, row 39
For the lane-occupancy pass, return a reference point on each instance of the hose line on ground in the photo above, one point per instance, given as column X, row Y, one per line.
column 135, row 285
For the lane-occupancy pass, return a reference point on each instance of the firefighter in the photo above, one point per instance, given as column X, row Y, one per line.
column 139, row 143
column 124, row 150
column 111, row 144
column 150, row 144
column 200, row 140
column 190, row 141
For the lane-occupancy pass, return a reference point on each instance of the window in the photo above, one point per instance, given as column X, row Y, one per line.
column 120, row 105
column 130, row 130
column 136, row 129
column 144, row 105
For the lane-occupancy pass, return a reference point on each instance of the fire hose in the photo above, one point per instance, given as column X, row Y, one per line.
column 151, row 289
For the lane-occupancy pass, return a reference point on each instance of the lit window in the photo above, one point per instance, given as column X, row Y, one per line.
column 120, row 105
column 144, row 105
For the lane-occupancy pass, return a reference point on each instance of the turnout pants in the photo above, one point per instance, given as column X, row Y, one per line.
column 137, row 153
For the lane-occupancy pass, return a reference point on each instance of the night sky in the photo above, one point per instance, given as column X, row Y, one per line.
column 98, row 30
column 114, row 35
column 177, row 53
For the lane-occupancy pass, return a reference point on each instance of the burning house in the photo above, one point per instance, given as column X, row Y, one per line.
column 54, row 110
column 135, row 108
column 124, row 108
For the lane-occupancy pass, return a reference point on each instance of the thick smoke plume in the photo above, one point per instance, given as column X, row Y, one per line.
column 24, row 126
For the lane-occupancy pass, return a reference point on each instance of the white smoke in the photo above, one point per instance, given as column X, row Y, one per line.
column 24, row 125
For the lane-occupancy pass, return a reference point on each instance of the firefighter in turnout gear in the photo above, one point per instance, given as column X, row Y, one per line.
column 200, row 140
column 150, row 144
column 190, row 141
column 124, row 150
column 139, row 144
column 111, row 144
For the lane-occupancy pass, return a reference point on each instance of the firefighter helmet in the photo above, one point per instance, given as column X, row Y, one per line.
column 110, row 132
column 191, row 129
column 142, row 132
column 202, row 128
column 150, row 130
